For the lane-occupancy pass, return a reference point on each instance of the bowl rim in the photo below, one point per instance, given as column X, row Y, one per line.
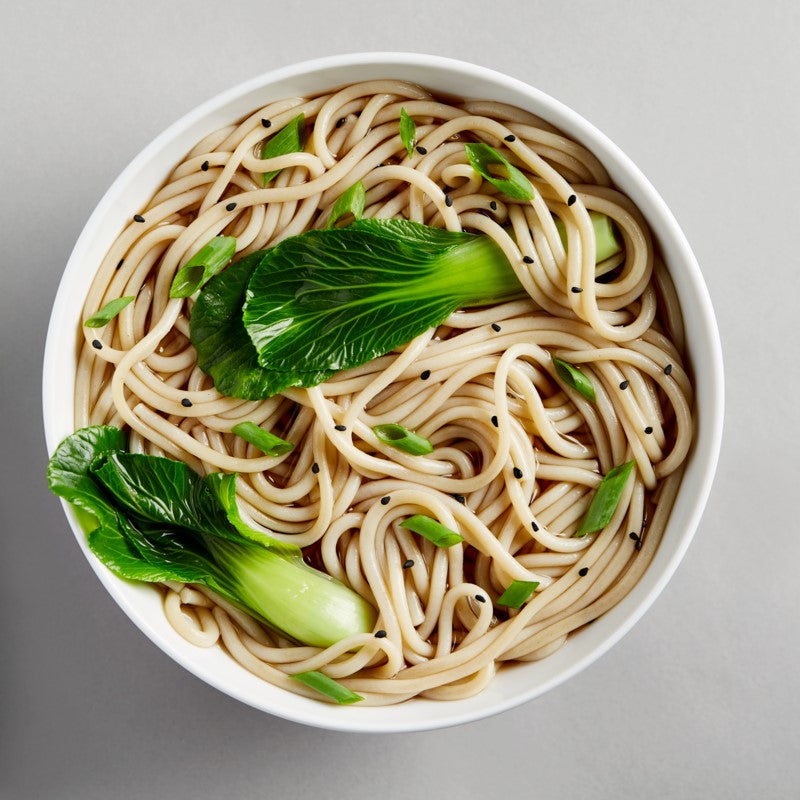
column 706, row 447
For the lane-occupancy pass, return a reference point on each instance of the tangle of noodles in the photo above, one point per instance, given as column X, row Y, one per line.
column 487, row 398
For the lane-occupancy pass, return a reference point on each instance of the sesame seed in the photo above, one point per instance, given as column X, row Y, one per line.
column 138, row 218
column 583, row 571
column 186, row 402
column 385, row 500
column 408, row 564
column 267, row 123
column 480, row 598
column 624, row 384
column 534, row 526
column 510, row 138
column 495, row 327
column 494, row 420
column 121, row 262
column 517, row 472
column 648, row 429
column 571, row 200
column 634, row 536
column 380, row 634
column 493, row 205
column 638, row 545
column 459, row 498
column 315, row 468
column 576, row 290
column 340, row 427
column 230, row 206
column 425, row 374
column 340, row 122
column 97, row 344
column 448, row 201
column 422, row 150
column 527, row 259
column 204, row 166
column 668, row 369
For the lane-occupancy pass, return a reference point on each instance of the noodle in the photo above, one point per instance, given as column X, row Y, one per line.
column 516, row 458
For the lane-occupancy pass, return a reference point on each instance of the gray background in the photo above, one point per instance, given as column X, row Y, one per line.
column 701, row 699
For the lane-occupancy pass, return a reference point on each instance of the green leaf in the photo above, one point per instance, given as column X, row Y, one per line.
column 574, row 378
column 514, row 184
column 432, row 530
column 606, row 499
column 224, row 350
column 202, row 266
column 517, row 593
column 351, row 202
column 330, row 300
column 328, row 687
column 408, row 132
column 108, row 312
column 289, row 139
column 605, row 236
column 403, row 439
column 266, row 442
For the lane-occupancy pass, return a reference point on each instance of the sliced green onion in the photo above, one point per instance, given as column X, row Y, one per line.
column 516, row 185
column 289, row 139
column 327, row 686
column 351, row 202
column 203, row 266
column 605, row 236
column 605, row 499
column 408, row 132
column 108, row 312
column 403, row 439
column 432, row 530
column 517, row 593
column 267, row 442
column 574, row 378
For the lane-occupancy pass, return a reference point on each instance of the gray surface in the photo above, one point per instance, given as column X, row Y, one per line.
column 701, row 699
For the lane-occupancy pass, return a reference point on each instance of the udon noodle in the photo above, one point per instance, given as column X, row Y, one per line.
column 481, row 387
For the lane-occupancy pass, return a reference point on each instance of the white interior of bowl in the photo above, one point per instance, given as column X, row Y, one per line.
column 137, row 184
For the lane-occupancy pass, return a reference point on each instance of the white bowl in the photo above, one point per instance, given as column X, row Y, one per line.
column 138, row 183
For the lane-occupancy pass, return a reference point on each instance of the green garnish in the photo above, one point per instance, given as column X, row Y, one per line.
column 351, row 202
column 202, row 266
column 517, row 593
column 408, row 132
column 108, row 312
column 267, row 442
column 432, row 530
column 289, row 139
column 403, row 439
column 574, row 378
column 605, row 499
column 605, row 236
column 153, row 519
column 515, row 184
column 327, row 686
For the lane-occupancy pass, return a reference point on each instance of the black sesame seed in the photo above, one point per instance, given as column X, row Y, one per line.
column 266, row 123
column 583, row 571
column 638, row 545
column 186, row 402
column 668, row 369
column 648, row 429
column 423, row 151
column 517, row 472
column 97, row 344
column 493, row 205
column 480, row 598
column 576, row 290
column 634, row 536
column 571, row 200
column 340, row 122
column 385, row 500
column 408, row 564
column 624, row 384
column 340, row 427
column 315, row 468
column 230, row 206
column 425, row 374
column 448, row 201
column 121, row 262
column 459, row 498
column 534, row 526
column 527, row 259
column 494, row 421
column 380, row 634
column 495, row 327
column 138, row 218
column 510, row 138
column 204, row 166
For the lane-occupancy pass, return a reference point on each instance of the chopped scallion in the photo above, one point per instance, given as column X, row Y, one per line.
column 517, row 593
column 203, row 266
column 574, row 378
column 267, row 442
column 408, row 132
column 606, row 499
column 289, row 139
column 605, row 236
column 108, row 312
column 432, row 530
column 321, row 683
column 515, row 184
column 351, row 202
column 403, row 439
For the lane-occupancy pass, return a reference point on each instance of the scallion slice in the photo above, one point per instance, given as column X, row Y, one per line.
column 517, row 593
column 321, row 683
column 408, row 132
column 267, row 442
column 574, row 378
column 289, row 139
column 605, row 236
column 515, row 185
column 351, row 202
column 203, row 266
column 403, row 439
column 432, row 530
column 108, row 312
column 605, row 499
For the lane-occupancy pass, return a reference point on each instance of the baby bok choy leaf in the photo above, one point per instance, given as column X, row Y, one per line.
column 157, row 520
